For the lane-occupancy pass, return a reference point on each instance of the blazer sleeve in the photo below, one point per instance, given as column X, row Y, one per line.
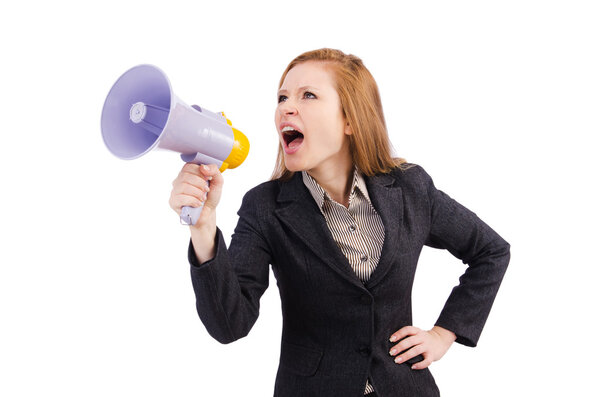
column 229, row 286
column 458, row 230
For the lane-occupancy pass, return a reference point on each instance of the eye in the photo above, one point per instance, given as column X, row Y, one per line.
column 309, row 95
column 281, row 98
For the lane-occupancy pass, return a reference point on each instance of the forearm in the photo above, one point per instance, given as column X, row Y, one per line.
column 227, row 296
column 469, row 304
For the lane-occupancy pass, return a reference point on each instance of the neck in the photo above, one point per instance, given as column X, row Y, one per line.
column 337, row 181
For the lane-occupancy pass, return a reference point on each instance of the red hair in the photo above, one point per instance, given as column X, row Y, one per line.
column 370, row 146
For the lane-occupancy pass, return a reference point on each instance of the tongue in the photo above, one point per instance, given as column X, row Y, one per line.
column 295, row 143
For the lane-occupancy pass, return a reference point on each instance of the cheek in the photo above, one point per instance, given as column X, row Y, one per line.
column 335, row 131
column 328, row 121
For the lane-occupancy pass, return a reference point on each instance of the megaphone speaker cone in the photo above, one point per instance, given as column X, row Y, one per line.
column 136, row 111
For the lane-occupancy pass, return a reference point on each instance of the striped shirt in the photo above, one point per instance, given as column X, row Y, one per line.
column 357, row 230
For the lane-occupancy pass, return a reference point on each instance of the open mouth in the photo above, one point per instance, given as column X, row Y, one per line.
column 292, row 138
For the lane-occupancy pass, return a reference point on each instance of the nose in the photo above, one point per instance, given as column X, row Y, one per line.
column 287, row 108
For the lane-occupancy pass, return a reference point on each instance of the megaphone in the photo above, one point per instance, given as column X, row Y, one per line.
column 142, row 113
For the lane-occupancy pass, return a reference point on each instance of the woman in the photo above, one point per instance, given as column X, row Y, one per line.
column 342, row 224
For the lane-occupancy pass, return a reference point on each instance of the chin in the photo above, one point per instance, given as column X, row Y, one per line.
column 293, row 166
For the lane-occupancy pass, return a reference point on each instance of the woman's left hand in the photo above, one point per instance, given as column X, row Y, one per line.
column 432, row 344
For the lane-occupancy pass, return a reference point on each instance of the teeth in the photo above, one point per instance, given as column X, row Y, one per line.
column 287, row 129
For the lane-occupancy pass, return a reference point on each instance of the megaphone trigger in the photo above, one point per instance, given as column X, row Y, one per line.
column 142, row 101
column 190, row 215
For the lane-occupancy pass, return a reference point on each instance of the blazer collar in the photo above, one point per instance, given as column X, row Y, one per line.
column 298, row 210
column 387, row 198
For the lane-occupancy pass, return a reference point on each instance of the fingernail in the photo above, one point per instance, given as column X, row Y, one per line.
column 392, row 352
column 398, row 360
column 393, row 339
column 205, row 168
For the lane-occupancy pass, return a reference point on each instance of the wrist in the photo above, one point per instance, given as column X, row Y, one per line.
column 203, row 241
column 444, row 334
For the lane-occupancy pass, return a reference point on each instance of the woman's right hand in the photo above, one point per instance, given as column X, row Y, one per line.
column 192, row 188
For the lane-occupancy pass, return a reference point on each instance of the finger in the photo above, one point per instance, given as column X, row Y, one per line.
column 193, row 179
column 209, row 170
column 216, row 184
column 178, row 201
column 422, row 364
column 411, row 353
column 191, row 191
column 404, row 332
column 202, row 170
column 193, row 188
column 187, row 189
column 406, row 344
column 190, row 178
column 191, row 168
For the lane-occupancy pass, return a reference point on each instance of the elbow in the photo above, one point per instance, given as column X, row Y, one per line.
column 223, row 339
column 226, row 338
column 498, row 250
column 226, row 326
column 500, row 257
column 494, row 257
column 505, row 249
column 224, row 332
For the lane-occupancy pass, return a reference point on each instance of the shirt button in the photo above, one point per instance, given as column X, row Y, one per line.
column 364, row 258
column 352, row 228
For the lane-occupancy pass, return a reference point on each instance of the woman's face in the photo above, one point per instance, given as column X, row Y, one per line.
column 312, row 130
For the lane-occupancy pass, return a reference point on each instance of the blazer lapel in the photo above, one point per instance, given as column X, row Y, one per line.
column 387, row 200
column 297, row 209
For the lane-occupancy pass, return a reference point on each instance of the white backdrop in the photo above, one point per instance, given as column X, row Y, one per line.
column 498, row 101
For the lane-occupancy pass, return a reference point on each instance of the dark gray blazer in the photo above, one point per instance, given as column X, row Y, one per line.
column 335, row 328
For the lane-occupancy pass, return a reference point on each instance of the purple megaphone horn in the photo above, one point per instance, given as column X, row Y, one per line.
column 142, row 113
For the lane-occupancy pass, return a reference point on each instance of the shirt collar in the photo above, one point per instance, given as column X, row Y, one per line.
column 320, row 195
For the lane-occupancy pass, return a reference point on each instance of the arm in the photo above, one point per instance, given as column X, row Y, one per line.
column 461, row 232
column 228, row 287
column 228, row 283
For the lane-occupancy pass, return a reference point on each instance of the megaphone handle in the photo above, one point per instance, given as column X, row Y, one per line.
column 189, row 215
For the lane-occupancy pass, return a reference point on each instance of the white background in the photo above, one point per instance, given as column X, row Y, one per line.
column 498, row 101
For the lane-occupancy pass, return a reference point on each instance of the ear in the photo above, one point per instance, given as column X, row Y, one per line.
column 347, row 129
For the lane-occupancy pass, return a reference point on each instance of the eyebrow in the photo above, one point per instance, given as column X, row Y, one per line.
column 303, row 88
